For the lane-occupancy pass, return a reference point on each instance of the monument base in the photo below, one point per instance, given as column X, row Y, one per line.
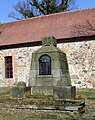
column 42, row 90
column 57, row 92
column 46, row 98
column 65, row 92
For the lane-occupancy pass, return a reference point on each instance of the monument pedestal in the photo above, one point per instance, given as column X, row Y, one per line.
column 42, row 90
column 64, row 92
column 49, row 72
column 57, row 92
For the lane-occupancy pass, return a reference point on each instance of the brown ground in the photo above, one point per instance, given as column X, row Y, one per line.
column 27, row 114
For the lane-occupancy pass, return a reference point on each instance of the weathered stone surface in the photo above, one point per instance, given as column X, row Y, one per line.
column 21, row 114
column 20, row 92
column 58, row 68
column 49, row 41
column 41, row 90
column 21, row 84
column 80, row 56
column 66, row 92
column 73, row 108
column 46, row 80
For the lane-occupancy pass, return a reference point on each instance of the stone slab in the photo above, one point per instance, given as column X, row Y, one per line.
column 19, row 92
column 41, row 90
column 73, row 108
column 66, row 92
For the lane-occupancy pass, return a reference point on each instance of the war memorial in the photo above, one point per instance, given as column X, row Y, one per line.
column 50, row 85
column 42, row 76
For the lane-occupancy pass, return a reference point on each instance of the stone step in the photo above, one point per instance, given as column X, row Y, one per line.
column 41, row 104
column 41, row 97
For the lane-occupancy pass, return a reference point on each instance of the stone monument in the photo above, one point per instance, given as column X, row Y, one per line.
column 50, row 85
column 49, row 73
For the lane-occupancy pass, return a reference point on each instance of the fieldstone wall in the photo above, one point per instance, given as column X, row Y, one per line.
column 81, row 60
column 21, row 65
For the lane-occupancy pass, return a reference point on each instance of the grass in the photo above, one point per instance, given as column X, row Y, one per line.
column 26, row 114
column 87, row 93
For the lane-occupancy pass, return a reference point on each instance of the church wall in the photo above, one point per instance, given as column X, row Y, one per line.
column 21, row 59
column 81, row 60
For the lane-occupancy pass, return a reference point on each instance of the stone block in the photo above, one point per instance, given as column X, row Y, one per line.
column 19, row 92
column 73, row 108
column 56, row 72
column 21, row 84
column 55, row 64
column 44, row 80
column 41, row 90
column 49, row 41
column 34, row 66
column 66, row 92
column 34, row 73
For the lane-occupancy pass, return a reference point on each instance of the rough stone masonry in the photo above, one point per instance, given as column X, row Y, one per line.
column 80, row 56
